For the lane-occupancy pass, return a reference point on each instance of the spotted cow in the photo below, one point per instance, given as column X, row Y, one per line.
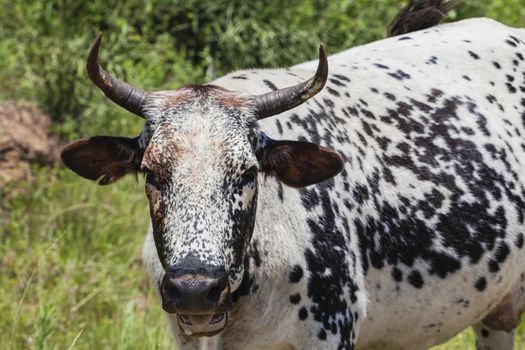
column 385, row 212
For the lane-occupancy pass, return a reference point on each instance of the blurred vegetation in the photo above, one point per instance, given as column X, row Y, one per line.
column 70, row 271
column 162, row 44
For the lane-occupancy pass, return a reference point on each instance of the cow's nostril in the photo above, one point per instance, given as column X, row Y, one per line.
column 170, row 290
column 214, row 295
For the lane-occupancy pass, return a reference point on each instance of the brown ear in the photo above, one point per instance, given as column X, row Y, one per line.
column 300, row 164
column 103, row 158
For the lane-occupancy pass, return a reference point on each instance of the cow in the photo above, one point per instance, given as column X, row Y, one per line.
column 419, row 15
column 377, row 206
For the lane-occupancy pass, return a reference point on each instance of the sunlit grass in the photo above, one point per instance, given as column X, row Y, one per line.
column 71, row 275
column 71, row 267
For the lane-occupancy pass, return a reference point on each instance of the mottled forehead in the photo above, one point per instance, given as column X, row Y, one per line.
column 199, row 124
column 162, row 103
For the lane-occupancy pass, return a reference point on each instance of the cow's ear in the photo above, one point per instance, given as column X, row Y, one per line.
column 299, row 163
column 103, row 158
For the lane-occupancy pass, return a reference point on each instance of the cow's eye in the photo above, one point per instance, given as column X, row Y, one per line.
column 150, row 176
column 251, row 172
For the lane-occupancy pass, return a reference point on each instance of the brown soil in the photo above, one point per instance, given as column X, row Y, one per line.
column 24, row 141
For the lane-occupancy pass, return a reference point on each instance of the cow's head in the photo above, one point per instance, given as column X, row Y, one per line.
column 201, row 151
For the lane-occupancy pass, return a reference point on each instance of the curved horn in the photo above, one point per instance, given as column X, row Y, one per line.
column 123, row 94
column 278, row 101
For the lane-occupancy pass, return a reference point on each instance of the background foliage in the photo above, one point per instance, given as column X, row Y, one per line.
column 70, row 272
column 162, row 44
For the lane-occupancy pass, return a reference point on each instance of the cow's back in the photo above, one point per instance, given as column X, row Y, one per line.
column 430, row 206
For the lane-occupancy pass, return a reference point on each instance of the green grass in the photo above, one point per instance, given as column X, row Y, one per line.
column 71, row 271
column 72, row 278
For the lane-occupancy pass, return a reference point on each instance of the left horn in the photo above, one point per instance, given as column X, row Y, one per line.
column 278, row 101
column 125, row 95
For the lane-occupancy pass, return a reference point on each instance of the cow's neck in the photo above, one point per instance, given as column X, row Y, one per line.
column 284, row 238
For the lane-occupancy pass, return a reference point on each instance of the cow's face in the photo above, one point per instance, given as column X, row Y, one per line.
column 201, row 165
column 201, row 151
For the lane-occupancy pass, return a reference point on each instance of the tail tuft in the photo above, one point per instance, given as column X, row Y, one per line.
column 420, row 14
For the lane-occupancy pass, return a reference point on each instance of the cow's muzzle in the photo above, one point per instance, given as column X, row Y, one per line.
column 201, row 302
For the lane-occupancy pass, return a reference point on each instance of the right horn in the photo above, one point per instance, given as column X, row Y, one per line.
column 278, row 101
column 122, row 93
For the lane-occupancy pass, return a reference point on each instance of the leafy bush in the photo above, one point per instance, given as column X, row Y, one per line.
column 160, row 44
